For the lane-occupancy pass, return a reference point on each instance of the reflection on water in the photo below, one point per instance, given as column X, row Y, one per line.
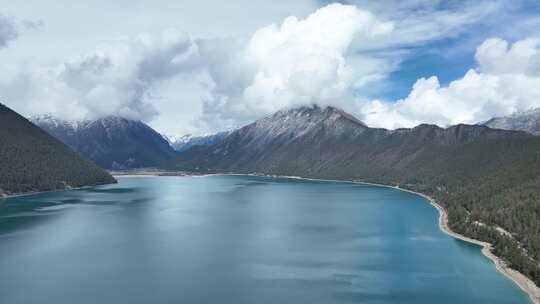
column 233, row 239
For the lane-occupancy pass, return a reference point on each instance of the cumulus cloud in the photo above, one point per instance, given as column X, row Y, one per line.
column 296, row 62
column 115, row 79
column 506, row 80
column 495, row 56
column 8, row 31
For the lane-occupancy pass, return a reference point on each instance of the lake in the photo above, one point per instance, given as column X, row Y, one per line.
column 237, row 239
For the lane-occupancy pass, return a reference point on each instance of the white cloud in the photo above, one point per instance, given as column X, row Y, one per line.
column 207, row 84
column 236, row 79
column 8, row 31
column 114, row 79
column 495, row 56
column 507, row 80
column 297, row 62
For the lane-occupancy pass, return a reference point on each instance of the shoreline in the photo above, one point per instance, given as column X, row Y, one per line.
column 5, row 197
column 148, row 172
column 519, row 279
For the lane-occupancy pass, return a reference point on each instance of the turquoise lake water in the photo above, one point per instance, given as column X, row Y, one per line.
column 237, row 239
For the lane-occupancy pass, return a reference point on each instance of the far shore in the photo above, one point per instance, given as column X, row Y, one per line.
column 523, row 282
column 149, row 172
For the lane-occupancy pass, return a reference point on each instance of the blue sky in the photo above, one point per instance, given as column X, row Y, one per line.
column 450, row 58
column 425, row 62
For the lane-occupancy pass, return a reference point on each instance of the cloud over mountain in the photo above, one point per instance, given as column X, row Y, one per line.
column 236, row 79
column 340, row 55
column 113, row 79
column 506, row 80
column 292, row 63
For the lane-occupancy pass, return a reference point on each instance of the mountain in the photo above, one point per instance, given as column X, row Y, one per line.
column 31, row 160
column 185, row 142
column 313, row 140
column 111, row 142
column 528, row 121
column 480, row 175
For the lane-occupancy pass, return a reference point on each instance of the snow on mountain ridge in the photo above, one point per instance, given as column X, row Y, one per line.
column 528, row 121
column 107, row 122
column 54, row 121
column 298, row 121
column 112, row 142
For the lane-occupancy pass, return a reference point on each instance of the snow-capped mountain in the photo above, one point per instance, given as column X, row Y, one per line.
column 111, row 142
column 54, row 122
column 528, row 121
column 184, row 142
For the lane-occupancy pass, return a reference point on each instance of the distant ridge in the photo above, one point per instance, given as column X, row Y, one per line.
column 185, row 142
column 31, row 160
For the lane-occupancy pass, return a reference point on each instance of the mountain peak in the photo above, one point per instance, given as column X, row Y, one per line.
column 113, row 142
column 316, row 111
column 292, row 124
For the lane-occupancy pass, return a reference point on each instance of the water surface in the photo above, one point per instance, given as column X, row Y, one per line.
column 234, row 239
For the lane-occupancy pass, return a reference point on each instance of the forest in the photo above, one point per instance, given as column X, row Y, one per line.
column 31, row 160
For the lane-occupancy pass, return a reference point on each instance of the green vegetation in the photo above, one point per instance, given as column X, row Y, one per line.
column 31, row 160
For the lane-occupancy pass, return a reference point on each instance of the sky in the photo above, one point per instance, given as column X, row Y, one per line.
column 198, row 67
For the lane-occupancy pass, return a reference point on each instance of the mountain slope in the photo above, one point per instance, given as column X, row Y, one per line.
column 525, row 121
column 32, row 160
column 185, row 142
column 313, row 140
column 111, row 142
column 479, row 174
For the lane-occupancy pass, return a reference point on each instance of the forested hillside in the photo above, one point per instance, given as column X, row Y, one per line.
column 487, row 179
column 32, row 160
